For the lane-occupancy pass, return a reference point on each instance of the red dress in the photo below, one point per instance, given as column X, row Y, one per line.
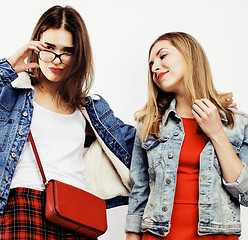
column 184, row 218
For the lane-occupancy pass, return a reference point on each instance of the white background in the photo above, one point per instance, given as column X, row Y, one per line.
column 121, row 33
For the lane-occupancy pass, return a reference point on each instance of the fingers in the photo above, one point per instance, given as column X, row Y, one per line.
column 196, row 115
column 233, row 105
column 17, row 60
column 31, row 66
column 203, row 108
column 200, row 107
column 36, row 46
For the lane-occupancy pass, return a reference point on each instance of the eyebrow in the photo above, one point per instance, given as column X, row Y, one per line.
column 159, row 51
column 64, row 48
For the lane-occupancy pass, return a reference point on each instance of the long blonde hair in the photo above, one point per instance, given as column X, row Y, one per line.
column 197, row 81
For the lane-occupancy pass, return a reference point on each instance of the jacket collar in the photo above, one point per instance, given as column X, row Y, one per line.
column 22, row 82
column 93, row 96
column 172, row 108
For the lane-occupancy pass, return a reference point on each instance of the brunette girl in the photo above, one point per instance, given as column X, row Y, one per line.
column 51, row 100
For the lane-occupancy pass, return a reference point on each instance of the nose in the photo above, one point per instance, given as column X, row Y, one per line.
column 57, row 60
column 156, row 65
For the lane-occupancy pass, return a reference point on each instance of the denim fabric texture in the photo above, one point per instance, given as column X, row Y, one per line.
column 16, row 108
column 153, row 180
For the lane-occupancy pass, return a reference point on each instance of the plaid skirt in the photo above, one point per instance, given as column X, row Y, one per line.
column 24, row 218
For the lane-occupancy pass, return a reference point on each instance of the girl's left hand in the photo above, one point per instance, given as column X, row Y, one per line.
column 208, row 118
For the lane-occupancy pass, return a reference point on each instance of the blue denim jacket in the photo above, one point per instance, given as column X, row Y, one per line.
column 153, row 180
column 16, row 108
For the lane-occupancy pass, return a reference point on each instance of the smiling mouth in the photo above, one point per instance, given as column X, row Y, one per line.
column 160, row 75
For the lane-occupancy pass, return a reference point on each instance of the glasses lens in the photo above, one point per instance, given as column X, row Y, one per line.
column 46, row 56
column 65, row 58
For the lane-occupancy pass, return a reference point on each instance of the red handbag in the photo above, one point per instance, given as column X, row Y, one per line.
column 72, row 208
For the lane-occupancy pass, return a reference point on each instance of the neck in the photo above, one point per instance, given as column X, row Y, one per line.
column 47, row 86
column 47, row 97
column 184, row 107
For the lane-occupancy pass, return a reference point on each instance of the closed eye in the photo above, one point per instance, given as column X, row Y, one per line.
column 163, row 56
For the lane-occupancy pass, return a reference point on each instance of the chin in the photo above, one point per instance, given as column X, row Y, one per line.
column 52, row 78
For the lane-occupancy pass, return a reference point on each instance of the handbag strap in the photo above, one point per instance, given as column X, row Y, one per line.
column 31, row 139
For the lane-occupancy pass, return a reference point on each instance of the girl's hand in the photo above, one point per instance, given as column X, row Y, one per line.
column 133, row 236
column 208, row 118
column 17, row 59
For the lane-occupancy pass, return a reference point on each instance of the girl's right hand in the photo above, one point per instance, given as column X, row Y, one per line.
column 133, row 236
column 17, row 59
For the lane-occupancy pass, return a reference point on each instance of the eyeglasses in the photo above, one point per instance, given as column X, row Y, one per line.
column 49, row 56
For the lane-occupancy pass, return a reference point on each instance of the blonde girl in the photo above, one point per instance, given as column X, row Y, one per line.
column 189, row 165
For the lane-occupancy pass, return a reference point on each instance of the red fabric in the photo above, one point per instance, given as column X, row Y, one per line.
column 188, row 168
column 23, row 218
column 184, row 218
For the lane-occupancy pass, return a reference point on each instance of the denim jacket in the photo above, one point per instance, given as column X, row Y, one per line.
column 16, row 108
column 153, row 180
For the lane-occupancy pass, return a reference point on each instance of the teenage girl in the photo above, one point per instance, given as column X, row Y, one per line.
column 51, row 100
column 189, row 170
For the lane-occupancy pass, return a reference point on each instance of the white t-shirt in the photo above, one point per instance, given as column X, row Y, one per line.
column 59, row 140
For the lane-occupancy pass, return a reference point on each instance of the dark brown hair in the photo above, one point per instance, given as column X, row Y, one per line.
column 77, row 78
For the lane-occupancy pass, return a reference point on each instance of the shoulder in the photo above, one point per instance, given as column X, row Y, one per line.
column 240, row 128
column 97, row 105
column 96, row 102
column 139, row 126
column 240, row 117
column 95, row 98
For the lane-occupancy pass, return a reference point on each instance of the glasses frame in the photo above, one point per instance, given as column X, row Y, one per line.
column 55, row 56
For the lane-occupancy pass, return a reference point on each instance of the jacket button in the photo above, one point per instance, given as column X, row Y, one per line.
column 161, row 230
column 168, row 180
column 13, row 155
column 170, row 155
column 24, row 114
column 164, row 208
column 176, row 133
column 6, row 178
column 20, row 132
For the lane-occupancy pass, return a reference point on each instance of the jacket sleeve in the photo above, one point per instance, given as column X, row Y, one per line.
column 128, row 134
column 7, row 73
column 109, row 128
column 239, row 189
column 116, row 139
column 139, row 180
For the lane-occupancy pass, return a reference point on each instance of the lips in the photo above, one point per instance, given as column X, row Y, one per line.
column 55, row 70
column 160, row 75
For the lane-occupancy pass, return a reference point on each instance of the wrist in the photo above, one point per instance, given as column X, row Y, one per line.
column 219, row 137
column 133, row 236
column 10, row 61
